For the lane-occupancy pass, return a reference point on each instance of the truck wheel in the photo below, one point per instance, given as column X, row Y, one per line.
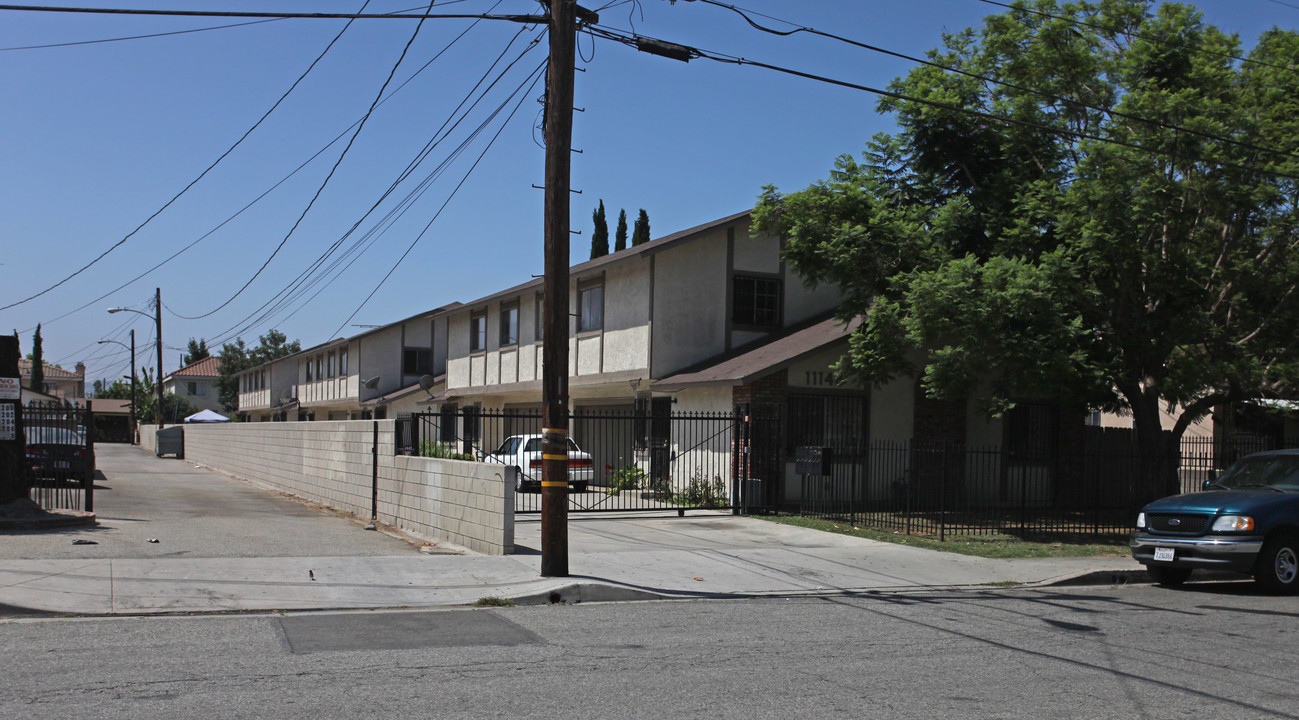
column 579, row 487
column 1169, row 576
column 1277, row 570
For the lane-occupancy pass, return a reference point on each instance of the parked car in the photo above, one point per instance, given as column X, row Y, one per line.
column 56, row 453
column 1247, row 521
column 524, row 452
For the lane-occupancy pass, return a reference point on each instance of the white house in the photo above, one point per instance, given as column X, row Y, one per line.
column 376, row 374
column 196, row 382
column 709, row 319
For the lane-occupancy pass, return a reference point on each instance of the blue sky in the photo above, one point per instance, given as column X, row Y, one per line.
column 96, row 138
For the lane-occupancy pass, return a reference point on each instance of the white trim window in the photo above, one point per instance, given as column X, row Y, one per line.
column 590, row 304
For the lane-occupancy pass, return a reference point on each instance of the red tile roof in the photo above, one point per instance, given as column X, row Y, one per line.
column 51, row 372
column 207, row 367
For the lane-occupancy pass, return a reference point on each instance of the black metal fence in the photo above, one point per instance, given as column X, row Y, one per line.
column 649, row 458
column 640, row 458
column 60, row 443
column 944, row 489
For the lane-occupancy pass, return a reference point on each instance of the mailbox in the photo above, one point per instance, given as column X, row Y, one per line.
column 812, row 460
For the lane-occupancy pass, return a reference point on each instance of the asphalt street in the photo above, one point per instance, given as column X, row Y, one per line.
column 1219, row 650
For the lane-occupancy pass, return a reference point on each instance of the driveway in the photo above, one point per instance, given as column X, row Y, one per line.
column 196, row 513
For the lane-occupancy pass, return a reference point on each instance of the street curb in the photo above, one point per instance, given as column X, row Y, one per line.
column 56, row 520
column 1098, row 577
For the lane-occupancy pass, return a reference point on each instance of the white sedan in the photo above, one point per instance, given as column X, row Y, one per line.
column 524, row 452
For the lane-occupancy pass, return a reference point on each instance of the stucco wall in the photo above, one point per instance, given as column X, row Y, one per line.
column 465, row 503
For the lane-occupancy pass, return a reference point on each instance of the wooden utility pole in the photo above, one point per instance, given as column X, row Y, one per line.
column 554, row 371
column 157, row 318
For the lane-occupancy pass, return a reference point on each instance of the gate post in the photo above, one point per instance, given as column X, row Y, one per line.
column 740, row 478
column 88, row 482
column 13, row 468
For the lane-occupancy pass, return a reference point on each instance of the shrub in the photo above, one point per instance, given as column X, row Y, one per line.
column 628, row 477
column 431, row 449
column 703, row 492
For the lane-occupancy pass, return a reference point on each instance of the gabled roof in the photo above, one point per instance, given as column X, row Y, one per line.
column 51, row 372
column 643, row 250
column 207, row 368
column 763, row 357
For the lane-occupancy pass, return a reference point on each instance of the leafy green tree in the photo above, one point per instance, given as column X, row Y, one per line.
column 236, row 357
column 620, row 235
column 37, row 381
column 232, row 360
column 273, row 346
column 196, row 351
column 175, row 408
column 640, row 233
column 1097, row 202
column 600, row 235
column 117, row 390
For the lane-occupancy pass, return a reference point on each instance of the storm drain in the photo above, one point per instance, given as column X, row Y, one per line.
column 400, row 631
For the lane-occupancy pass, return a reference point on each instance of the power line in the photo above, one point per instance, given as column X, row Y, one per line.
column 283, row 180
column 332, row 170
column 537, row 74
column 201, row 175
column 528, row 19
column 643, row 42
column 137, row 37
column 301, row 284
column 166, row 34
column 1077, row 104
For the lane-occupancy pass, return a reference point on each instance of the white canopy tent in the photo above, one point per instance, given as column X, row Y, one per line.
column 206, row 416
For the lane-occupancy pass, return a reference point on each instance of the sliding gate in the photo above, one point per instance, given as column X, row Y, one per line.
column 636, row 458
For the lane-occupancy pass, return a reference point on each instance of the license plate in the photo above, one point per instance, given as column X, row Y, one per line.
column 1164, row 554
column 62, row 465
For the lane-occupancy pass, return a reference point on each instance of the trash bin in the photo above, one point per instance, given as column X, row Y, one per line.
column 171, row 441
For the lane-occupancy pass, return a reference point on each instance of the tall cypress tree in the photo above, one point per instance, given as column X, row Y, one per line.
column 38, row 363
column 620, row 235
column 641, row 233
column 600, row 237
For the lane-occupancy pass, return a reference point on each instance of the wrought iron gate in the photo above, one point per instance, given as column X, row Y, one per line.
column 637, row 458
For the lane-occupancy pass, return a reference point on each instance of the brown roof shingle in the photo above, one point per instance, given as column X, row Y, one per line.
column 207, row 367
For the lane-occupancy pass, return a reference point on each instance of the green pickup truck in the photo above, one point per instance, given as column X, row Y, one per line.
column 1246, row 521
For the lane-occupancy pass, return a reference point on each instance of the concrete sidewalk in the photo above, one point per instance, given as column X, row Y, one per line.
column 260, row 557
column 610, row 559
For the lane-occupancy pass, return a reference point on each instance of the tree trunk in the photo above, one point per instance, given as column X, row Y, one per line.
column 1157, row 450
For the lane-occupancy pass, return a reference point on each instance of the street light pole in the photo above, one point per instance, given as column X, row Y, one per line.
column 101, row 342
column 157, row 318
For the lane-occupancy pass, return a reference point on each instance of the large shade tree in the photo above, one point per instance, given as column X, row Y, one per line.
column 1092, row 200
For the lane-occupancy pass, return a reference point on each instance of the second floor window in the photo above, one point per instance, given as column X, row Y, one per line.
column 590, row 308
column 755, row 301
column 416, row 361
column 477, row 333
column 331, row 365
column 342, row 361
column 510, row 325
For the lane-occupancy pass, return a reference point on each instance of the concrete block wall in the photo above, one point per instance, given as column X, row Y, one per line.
column 466, row 503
